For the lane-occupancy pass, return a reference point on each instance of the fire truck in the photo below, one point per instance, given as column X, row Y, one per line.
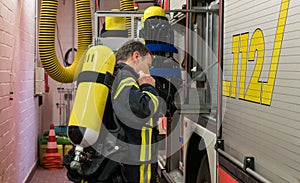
column 260, row 105
column 247, row 128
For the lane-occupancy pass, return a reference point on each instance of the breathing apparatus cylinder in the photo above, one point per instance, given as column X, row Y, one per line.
column 89, row 105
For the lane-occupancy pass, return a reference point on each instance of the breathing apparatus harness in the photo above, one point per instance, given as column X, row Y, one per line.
column 97, row 163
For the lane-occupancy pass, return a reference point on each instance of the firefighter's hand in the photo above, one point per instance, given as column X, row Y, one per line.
column 146, row 79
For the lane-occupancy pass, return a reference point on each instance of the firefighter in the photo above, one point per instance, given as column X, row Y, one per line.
column 137, row 107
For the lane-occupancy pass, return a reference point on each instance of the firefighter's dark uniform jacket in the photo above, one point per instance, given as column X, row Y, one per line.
column 136, row 108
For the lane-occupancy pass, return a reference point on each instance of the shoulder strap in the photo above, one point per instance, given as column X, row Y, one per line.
column 119, row 129
column 96, row 77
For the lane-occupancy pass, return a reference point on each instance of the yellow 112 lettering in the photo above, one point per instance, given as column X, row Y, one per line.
column 257, row 91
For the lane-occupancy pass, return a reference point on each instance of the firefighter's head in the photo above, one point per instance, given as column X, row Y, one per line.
column 136, row 55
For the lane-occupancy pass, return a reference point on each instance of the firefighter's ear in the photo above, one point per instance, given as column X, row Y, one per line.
column 136, row 55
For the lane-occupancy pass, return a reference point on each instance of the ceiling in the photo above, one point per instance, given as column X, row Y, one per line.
column 115, row 4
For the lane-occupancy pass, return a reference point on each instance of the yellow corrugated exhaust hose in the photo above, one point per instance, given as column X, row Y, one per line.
column 127, row 5
column 46, row 39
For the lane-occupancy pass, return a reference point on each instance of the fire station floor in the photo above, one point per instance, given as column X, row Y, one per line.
column 43, row 175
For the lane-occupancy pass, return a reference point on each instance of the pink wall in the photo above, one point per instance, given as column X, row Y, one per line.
column 19, row 118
